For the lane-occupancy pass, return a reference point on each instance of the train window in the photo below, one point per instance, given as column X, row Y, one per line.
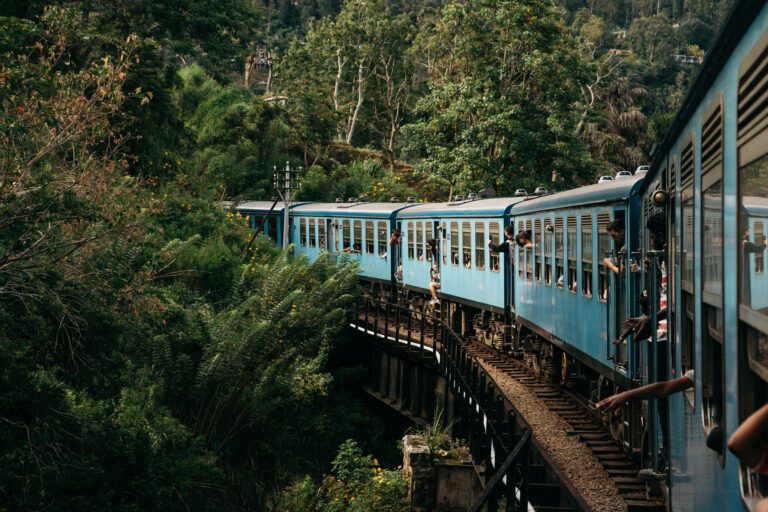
column 686, row 197
column 548, row 251
column 528, row 254
column 358, row 236
column 758, row 234
column 303, row 232
column 411, row 235
column 480, row 245
column 466, row 244
column 382, row 238
column 572, row 254
column 419, row 241
column 321, row 233
column 444, row 245
column 313, row 232
column 537, row 249
column 559, row 279
column 257, row 220
column 272, row 225
column 586, row 255
column 603, row 251
column 347, row 233
column 495, row 235
column 369, row 237
column 752, row 141
column 454, row 243
column 520, row 258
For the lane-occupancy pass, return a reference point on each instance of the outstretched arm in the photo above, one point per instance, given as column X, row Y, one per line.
column 655, row 390
column 502, row 247
column 745, row 442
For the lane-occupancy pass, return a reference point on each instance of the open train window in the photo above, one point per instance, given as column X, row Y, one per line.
column 480, row 245
column 303, row 232
column 548, row 233
column 455, row 243
column 411, row 236
column 444, row 245
column 752, row 153
column 686, row 198
column 358, row 236
column 559, row 279
column 495, row 235
column 347, row 235
column 419, row 241
column 272, row 225
column 382, row 238
column 586, row 255
column 321, row 233
column 369, row 237
column 528, row 254
column 572, row 254
column 603, row 250
column 712, row 367
column 313, row 232
column 520, row 252
column 466, row 241
column 537, row 250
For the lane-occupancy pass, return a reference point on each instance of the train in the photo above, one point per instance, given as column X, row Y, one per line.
column 560, row 302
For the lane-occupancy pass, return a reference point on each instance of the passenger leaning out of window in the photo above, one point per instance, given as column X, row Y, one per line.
column 618, row 235
column 523, row 239
column 509, row 235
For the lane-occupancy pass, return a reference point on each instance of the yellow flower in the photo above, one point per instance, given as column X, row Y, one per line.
column 375, row 462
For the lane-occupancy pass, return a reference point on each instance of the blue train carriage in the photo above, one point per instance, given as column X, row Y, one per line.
column 267, row 214
column 360, row 229
column 569, row 304
column 713, row 166
column 474, row 295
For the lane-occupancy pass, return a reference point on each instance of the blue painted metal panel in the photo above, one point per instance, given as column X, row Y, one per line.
column 609, row 192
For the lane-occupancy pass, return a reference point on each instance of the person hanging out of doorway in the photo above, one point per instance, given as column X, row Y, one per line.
column 509, row 235
column 616, row 230
column 434, row 284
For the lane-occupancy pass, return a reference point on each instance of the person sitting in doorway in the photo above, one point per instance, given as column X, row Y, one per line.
column 434, row 285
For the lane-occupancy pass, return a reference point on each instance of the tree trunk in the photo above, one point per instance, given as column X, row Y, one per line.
column 360, row 97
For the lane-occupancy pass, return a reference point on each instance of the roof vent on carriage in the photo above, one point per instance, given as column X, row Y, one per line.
column 459, row 198
column 540, row 191
column 394, row 199
column 365, row 199
column 339, row 199
column 521, row 192
column 487, row 193
column 472, row 197
column 410, row 199
column 352, row 200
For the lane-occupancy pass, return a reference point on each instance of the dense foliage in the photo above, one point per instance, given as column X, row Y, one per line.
column 147, row 359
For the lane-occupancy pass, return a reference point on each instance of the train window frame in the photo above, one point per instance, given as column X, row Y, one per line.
column 559, row 240
column 687, row 214
column 587, row 255
column 528, row 253
column 547, row 234
column 312, row 232
column 537, row 250
column 466, row 244
column 419, row 243
column 603, row 247
column 410, row 239
column 346, row 235
column 571, row 242
column 444, row 245
column 357, row 236
column 369, row 237
column 454, row 237
column 480, row 245
column 519, row 257
column 711, row 254
column 321, row 222
column 382, row 237
column 494, row 232
column 758, row 236
column 302, row 232
column 272, row 225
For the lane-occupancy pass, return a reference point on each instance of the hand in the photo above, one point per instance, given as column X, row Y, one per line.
column 612, row 403
column 607, row 262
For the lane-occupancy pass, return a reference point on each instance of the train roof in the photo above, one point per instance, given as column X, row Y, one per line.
column 743, row 13
column 756, row 205
column 598, row 193
column 495, row 207
column 359, row 209
column 253, row 206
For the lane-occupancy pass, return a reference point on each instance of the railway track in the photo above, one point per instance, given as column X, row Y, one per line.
column 585, row 424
